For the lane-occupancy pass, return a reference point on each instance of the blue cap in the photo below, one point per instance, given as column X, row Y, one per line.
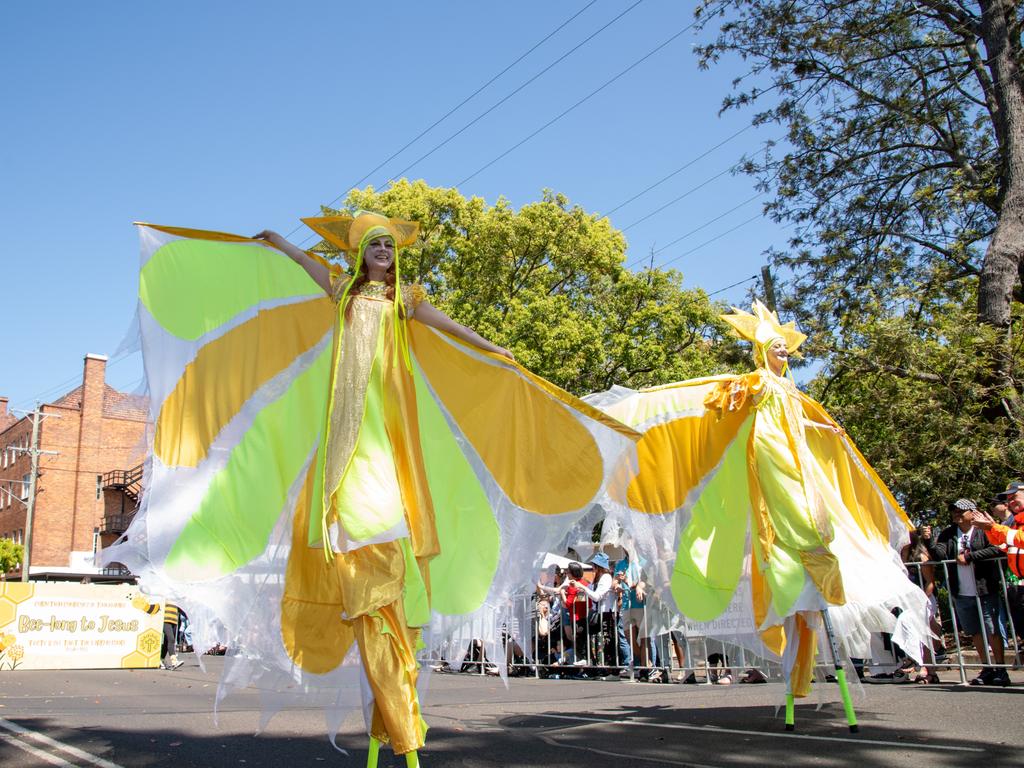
column 600, row 560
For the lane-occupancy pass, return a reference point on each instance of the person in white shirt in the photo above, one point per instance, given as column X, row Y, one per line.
column 604, row 597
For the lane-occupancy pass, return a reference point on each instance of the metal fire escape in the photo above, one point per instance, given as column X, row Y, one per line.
column 129, row 483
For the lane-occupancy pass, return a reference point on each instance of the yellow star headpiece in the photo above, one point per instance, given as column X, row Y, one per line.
column 348, row 233
column 762, row 327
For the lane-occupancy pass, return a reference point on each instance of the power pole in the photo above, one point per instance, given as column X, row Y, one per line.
column 768, row 283
column 37, row 417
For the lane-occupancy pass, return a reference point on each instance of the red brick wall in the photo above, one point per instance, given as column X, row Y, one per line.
column 12, row 511
column 99, row 430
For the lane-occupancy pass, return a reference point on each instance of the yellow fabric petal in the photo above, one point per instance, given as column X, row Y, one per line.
column 549, row 462
column 233, row 367
column 863, row 493
column 675, row 456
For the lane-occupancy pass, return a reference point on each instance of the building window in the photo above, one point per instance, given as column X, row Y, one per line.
column 24, row 485
column 99, row 486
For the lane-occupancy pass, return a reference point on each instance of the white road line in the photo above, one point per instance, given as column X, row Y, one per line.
column 81, row 754
column 760, row 734
column 51, row 759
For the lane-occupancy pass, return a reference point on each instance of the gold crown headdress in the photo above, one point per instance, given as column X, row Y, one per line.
column 351, row 233
column 762, row 328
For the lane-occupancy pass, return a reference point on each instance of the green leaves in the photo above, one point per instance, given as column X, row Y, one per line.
column 548, row 282
column 916, row 393
column 903, row 123
column 11, row 556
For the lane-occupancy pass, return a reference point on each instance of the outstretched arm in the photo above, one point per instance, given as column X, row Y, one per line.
column 320, row 274
column 430, row 315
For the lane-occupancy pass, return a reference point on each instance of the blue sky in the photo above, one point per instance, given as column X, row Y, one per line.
column 244, row 116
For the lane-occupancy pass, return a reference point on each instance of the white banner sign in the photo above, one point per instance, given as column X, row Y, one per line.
column 77, row 626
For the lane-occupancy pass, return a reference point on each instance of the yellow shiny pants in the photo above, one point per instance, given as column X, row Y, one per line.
column 388, row 649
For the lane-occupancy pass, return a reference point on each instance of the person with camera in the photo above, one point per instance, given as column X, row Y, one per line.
column 603, row 598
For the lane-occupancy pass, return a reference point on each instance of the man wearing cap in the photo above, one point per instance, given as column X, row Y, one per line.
column 975, row 585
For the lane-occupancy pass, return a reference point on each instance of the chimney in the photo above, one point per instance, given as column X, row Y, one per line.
column 6, row 417
column 94, row 382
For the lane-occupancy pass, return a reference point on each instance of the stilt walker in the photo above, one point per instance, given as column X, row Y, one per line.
column 745, row 479
column 335, row 463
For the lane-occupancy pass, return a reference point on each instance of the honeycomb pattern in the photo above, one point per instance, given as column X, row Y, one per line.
column 136, row 660
column 149, row 642
column 10, row 595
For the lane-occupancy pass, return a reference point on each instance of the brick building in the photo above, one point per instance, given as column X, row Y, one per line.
column 86, row 492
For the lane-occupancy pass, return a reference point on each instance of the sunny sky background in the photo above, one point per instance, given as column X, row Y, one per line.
column 244, row 116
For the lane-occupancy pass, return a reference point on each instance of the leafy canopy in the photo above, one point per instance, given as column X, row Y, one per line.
column 547, row 281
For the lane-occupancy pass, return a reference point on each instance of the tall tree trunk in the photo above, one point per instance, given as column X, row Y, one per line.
column 1002, row 263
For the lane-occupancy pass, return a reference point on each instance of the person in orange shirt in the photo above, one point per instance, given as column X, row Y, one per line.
column 1009, row 536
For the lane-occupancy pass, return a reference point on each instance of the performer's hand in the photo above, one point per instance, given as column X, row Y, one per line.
column 269, row 235
column 505, row 353
column 961, row 560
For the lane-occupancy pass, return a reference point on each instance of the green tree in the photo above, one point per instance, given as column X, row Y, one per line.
column 11, row 556
column 908, row 390
column 547, row 281
column 903, row 165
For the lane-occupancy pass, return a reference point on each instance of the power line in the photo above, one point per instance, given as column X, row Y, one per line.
column 505, row 98
column 696, row 248
column 709, row 222
column 740, row 282
column 578, row 103
column 58, row 388
column 679, row 170
column 518, row 89
column 462, row 103
column 675, row 200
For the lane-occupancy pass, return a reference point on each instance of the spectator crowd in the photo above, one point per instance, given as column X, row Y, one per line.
column 598, row 619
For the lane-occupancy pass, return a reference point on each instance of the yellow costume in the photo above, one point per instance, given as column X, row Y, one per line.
column 728, row 455
column 327, row 475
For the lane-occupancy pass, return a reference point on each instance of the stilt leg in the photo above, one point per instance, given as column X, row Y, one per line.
column 844, row 688
column 371, row 758
column 790, row 719
column 412, row 759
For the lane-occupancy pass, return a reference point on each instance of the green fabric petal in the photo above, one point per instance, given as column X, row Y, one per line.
column 245, row 499
column 461, row 575
column 192, row 287
column 415, row 598
column 709, row 555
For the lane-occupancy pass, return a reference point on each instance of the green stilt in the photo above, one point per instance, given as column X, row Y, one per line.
column 371, row 758
column 844, row 691
column 412, row 760
column 790, row 719
column 844, row 688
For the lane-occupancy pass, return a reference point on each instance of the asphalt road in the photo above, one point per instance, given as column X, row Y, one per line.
column 133, row 719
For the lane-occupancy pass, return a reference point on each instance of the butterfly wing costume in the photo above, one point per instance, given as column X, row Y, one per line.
column 751, row 502
column 327, row 474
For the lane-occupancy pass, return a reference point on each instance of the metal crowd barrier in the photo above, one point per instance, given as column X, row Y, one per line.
column 588, row 651
column 1004, row 620
column 685, row 655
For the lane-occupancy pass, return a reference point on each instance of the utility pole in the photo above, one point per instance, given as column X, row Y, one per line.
column 768, row 283
column 37, row 417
